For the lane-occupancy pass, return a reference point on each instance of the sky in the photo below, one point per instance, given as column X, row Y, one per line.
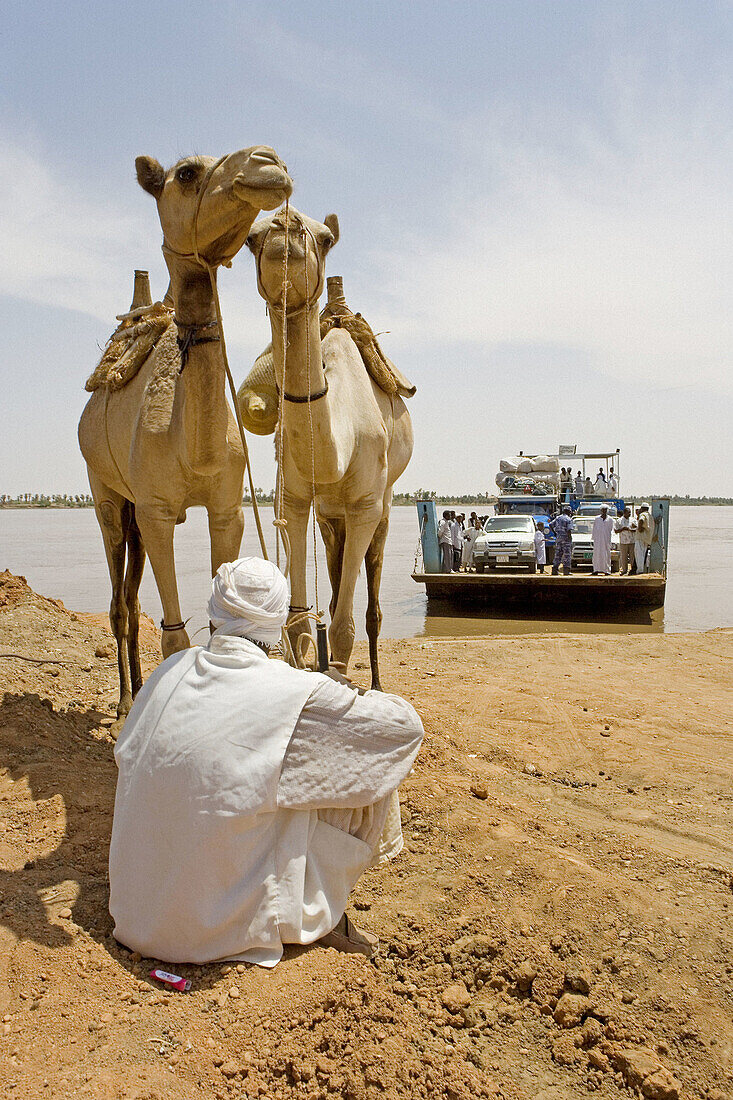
column 534, row 200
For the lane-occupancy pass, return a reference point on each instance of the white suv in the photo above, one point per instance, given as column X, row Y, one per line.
column 506, row 541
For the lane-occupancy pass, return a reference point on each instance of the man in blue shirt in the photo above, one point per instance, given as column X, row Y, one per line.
column 562, row 526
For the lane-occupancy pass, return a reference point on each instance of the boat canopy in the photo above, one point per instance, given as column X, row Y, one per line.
column 568, row 456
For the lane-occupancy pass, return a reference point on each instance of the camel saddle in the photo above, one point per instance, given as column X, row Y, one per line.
column 130, row 345
column 381, row 369
column 258, row 396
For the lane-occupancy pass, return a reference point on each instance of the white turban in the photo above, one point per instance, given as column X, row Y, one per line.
column 249, row 598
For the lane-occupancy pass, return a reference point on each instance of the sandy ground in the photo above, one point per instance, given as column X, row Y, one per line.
column 558, row 925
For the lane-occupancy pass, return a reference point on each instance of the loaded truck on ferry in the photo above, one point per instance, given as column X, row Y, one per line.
column 529, row 485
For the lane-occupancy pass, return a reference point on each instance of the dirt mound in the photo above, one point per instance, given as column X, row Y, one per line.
column 558, row 924
column 14, row 590
column 68, row 658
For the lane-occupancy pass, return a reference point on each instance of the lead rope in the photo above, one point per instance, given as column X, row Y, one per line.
column 279, row 522
column 260, row 534
column 312, row 438
column 215, row 291
column 305, row 614
column 281, row 525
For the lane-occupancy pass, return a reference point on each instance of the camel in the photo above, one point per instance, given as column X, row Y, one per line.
column 362, row 437
column 168, row 440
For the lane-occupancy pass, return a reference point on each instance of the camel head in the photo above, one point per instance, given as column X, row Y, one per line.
column 211, row 205
column 308, row 243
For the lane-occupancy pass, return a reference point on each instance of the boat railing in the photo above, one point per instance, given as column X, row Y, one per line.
column 419, row 559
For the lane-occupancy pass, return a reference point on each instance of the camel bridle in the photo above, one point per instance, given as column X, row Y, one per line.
column 289, row 312
column 301, row 230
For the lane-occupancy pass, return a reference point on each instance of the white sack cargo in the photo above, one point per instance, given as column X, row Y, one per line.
column 545, row 464
column 524, row 466
column 509, row 465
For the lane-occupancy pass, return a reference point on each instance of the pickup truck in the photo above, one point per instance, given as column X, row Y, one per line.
column 506, row 541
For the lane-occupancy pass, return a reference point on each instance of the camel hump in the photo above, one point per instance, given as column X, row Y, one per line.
column 380, row 369
column 257, row 396
column 130, row 345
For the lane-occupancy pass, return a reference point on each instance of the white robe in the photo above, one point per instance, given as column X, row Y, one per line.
column 602, row 532
column 539, row 548
column 469, row 537
column 251, row 796
column 643, row 540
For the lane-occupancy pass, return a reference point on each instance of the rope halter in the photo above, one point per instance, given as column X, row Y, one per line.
column 291, row 221
column 195, row 255
column 294, row 224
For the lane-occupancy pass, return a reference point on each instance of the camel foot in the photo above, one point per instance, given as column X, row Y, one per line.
column 116, row 728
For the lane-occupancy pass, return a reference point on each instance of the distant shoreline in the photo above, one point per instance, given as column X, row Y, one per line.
column 462, row 502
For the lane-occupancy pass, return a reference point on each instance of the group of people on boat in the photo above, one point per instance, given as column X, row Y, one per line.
column 581, row 487
column 635, row 537
column 456, row 538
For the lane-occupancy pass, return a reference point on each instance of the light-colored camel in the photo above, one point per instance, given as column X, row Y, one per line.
column 168, row 440
column 362, row 438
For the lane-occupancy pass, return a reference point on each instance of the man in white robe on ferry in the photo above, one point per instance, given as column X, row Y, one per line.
column 251, row 795
column 644, row 537
column 602, row 535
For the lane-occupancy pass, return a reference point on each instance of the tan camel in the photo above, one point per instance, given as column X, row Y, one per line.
column 362, row 437
column 168, row 439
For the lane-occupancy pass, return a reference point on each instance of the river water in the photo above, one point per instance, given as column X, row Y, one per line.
column 60, row 553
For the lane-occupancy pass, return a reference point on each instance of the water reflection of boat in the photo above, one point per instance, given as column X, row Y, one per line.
column 444, row 618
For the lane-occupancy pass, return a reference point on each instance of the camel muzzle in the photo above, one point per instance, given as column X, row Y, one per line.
column 267, row 192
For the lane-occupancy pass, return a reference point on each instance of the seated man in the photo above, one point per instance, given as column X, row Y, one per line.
column 251, row 795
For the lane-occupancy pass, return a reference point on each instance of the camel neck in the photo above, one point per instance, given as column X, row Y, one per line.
column 191, row 291
column 303, row 365
column 204, row 409
column 304, row 375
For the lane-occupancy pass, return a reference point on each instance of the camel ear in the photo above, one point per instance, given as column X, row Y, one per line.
column 150, row 175
column 331, row 220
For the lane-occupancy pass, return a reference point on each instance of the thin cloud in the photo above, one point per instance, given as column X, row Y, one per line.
column 617, row 247
column 62, row 246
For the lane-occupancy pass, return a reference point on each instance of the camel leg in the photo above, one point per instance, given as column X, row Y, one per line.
column 225, row 531
column 374, row 560
column 333, row 533
column 157, row 528
column 133, row 576
column 359, row 533
column 113, row 517
column 296, row 512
